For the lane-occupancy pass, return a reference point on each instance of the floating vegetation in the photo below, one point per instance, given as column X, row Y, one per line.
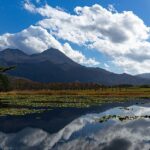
column 26, row 104
column 18, row 112
column 122, row 118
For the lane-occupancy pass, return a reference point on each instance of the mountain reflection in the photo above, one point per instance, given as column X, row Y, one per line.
column 88, row 133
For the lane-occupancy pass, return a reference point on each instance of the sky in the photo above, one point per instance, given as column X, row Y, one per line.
column 110, row 34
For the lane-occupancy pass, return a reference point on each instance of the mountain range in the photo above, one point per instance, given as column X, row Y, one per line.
column 53, row 66
column 144, row 75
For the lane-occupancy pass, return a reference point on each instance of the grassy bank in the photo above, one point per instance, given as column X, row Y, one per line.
column 106, row 92
column 26, row 102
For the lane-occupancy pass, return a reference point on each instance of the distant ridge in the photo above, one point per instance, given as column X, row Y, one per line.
column 144, row 75
column 53, row 66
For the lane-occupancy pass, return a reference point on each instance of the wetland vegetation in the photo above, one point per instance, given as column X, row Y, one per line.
column 27, row 102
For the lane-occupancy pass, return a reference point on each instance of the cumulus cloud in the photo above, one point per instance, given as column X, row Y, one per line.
column 115, row 34
column 31, row 40
column 121, row 36
column 131, row 65
column 112, row 8
column 78, row 56
column 35, row 39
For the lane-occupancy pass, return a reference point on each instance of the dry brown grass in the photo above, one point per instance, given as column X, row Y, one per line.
column 109, row 92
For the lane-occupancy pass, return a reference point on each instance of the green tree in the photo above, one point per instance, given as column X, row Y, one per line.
column 4, row 81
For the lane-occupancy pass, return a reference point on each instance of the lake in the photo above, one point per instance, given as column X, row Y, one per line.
column 113, row 126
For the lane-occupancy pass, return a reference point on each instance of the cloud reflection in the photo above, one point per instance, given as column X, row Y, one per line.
column 86, row 133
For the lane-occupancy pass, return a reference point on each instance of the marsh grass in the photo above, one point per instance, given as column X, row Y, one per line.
column 116, row 92
column 27, row 102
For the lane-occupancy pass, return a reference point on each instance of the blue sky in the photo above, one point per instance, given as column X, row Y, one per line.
column 14, row 18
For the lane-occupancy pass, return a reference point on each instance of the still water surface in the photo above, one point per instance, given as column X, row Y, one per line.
column 108, row 127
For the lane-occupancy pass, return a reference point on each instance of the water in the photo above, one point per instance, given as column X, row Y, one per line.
column 76, row 129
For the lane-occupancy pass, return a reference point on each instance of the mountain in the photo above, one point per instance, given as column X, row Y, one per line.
column 53, row 66
column 144, row 75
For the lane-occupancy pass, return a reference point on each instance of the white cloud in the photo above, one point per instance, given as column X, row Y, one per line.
column 112, row 8
column 29, row 6
column 107, row 67
column 133, row 66
column 78, row 56
column 31, row 40
column 122, row 36
column 35, row 39
column 116, row 34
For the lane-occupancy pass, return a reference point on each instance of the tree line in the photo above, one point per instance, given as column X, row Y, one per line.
column 24, row 84
column 12, row 83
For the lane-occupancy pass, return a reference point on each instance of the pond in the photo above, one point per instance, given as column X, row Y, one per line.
column 112, row 126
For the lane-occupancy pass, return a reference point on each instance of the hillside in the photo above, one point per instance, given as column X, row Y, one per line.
column 53, row 66
column 144, row 75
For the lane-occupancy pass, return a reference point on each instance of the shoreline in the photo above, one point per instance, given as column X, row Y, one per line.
column 30, row 102
column 54, row 120
column 134, row 92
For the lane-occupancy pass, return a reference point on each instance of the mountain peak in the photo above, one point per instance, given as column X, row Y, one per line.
column 12, row 51
column 55, row 56
column 50, row 50
column 52, row 55
column 13, row 55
